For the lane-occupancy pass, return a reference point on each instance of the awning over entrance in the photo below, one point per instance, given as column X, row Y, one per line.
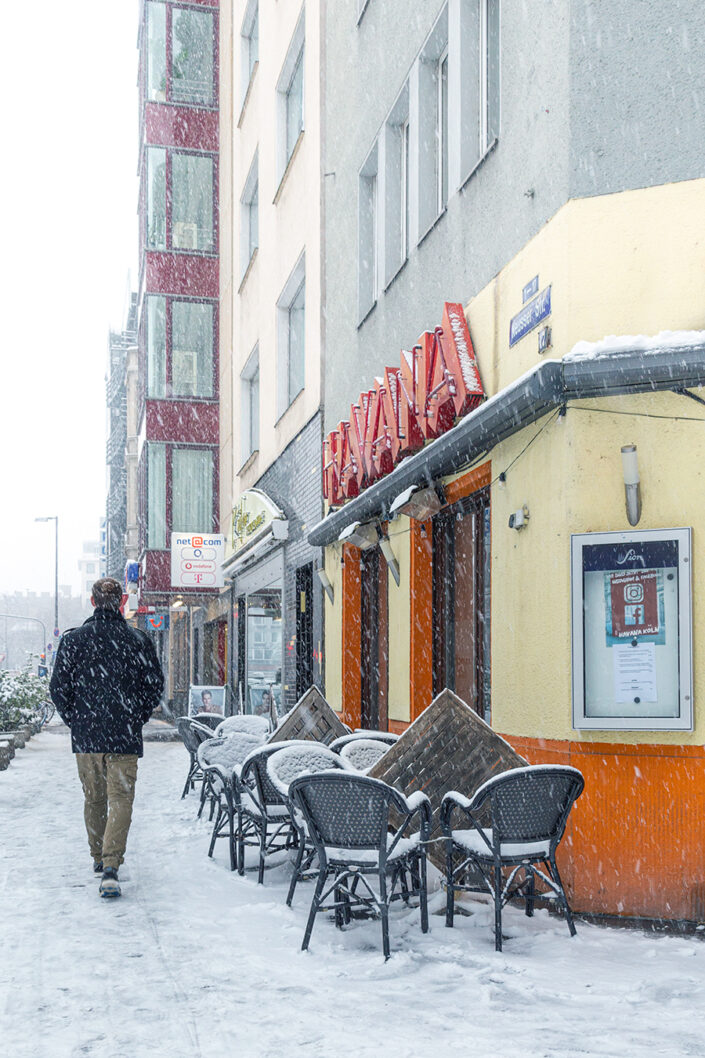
column 605, row 369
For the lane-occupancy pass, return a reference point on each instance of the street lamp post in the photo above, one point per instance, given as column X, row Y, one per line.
column 55, row 519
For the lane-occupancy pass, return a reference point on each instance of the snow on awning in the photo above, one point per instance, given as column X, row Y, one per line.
column 672, row 360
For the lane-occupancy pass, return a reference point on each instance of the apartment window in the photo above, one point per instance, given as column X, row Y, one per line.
column 490, row 77
column 367, row 233
column 291, row 311
column 156, row 198
column 396, row 187
column 290, row 91
column 156, row 52
column 191, row 56
column 442, row 131
column 180, row 52
column 250, row 44
column 478, row 103
column 191, row 202
column 433, row 124
column 249, row 217
column 192, row 490
column 156, row 346
column 156, row 496
column 249, row 406
column 192, row 349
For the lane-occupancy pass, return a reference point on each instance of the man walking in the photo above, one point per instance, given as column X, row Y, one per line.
column 105, row 684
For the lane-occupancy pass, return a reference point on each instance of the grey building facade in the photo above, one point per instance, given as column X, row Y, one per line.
column 119, row 342
column 454, row 131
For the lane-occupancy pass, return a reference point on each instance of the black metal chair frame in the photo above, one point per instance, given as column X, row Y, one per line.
column 216, row 774
column 192, row 735
column 387, row 815
column 377, row 736
column 521, row 807
column 303, row 869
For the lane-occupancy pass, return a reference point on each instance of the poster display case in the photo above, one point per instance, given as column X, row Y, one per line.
column 632, row 630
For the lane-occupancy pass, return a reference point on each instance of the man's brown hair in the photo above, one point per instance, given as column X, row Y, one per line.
column 107, row 594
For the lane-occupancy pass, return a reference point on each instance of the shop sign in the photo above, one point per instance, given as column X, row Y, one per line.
column 436, row 383
column 254, row 513
column 158, row 622
column 530, row 316
column 197, row 560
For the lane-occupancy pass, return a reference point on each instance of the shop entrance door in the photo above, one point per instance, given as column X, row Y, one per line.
column 461, row 601
column 304, row 629
column 374, row 640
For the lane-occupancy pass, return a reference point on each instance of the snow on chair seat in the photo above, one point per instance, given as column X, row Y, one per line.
column 362, row 753
column 245, row 723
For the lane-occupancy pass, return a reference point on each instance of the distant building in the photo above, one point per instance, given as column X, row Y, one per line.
column 119, row 344
column 92, row 566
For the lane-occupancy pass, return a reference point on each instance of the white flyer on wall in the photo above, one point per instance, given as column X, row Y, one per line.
column 634, row 672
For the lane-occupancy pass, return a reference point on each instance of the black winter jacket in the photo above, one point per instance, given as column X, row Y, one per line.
column 106, row 682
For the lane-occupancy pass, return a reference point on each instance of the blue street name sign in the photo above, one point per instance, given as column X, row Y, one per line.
column 530, row 316
column 531, row 288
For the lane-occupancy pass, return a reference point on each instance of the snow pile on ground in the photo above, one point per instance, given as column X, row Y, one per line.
column 196, row 962
column 620, row 343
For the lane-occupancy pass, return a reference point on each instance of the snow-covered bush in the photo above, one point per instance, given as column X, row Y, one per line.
column 21, row 697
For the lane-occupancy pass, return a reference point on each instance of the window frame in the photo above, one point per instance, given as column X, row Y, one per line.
column 249, row 191
column 169, row 98
column 249, row 399
column 248, row 66
column 292, row 289
column 170, row 153
column 168, row 394
column 295, row 59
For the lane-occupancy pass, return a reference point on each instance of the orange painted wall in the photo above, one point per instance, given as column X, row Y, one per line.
column 634, row 844
column 352, row 632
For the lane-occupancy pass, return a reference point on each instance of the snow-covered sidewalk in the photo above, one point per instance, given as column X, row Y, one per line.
column 195, row 961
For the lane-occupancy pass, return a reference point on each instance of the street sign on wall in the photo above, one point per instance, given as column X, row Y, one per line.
column 197, row 560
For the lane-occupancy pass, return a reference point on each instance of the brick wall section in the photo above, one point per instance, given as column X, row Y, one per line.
column 447, row 748
column 293, row 482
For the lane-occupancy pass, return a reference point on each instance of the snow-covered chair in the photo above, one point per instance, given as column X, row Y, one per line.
column 360, row 827
column 361, row 753
column 388, row 737
column 243, row 722
column 305, row 758
column 209, row 720
column 220, row 760
column 192, row 734
column 527, row 810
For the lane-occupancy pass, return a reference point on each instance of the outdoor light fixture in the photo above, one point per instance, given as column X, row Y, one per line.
column 325, row 582
column 362, row 536
column 417, row 503
column 632, row 488
column 519, row 519
column 385, row 547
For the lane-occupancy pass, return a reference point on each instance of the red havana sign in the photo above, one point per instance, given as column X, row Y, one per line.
column 437, row 382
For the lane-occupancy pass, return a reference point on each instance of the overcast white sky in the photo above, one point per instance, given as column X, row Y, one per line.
column 69, row 238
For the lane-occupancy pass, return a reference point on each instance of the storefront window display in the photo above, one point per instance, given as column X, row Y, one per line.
column 258, row 618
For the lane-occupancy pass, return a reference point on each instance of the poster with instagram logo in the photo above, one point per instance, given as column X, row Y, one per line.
column 635, row 604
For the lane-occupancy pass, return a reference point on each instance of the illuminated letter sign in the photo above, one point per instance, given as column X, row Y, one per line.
column 437, row 382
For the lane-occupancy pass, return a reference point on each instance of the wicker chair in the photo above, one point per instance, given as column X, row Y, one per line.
column 359, row 827
column 306, row 758
column 527, row 810
column 220, row 760
column 192, row 734
column 361, row 753
column 242, row 722
column 209, row 720
column 387, row 737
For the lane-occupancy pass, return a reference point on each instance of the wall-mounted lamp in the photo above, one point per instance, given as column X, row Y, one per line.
column 362, row 536
column 385, row 547
column 418, row 503
column 519, row 519
column 325, row 582
column 632, row 488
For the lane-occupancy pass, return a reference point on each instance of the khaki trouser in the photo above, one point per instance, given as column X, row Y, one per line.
column 108, row 781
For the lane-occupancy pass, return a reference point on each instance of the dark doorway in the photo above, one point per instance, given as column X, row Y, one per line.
column 304, row 629
column 461, row 611
column 375, row 640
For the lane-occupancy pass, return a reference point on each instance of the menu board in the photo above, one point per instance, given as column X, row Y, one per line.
column 631, row 603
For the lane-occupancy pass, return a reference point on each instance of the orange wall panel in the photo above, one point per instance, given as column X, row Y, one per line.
column 352, row 637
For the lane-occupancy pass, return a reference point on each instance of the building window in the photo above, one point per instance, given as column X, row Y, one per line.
column 192, row 202
column 291, row 311
column 192, row 490
column 367, row 234
column 249, row 217
column 156, row 198
column 179, row 60
column 290, row 91
column 433, row 124
column 191, row 56
column 490, row 73
column 249, row 37
column 156, row 347
column 249, row 406
column 156, row 52
column 477, row 43
column 396, row 184
column 192, row 349
column 156, row 496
